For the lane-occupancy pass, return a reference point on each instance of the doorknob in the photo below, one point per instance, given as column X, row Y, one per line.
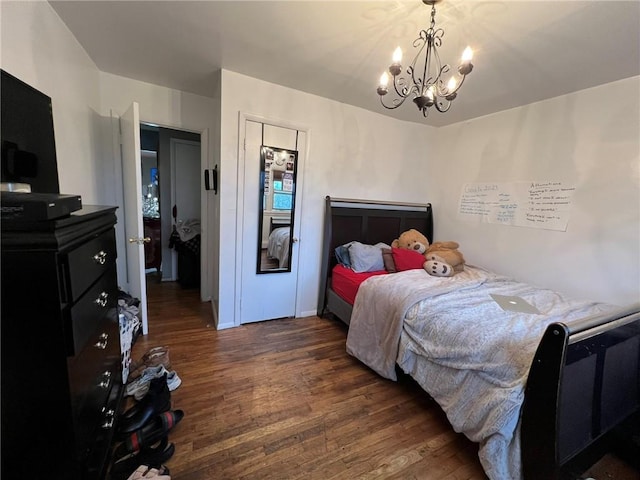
column 294, row 240
column 140, row 240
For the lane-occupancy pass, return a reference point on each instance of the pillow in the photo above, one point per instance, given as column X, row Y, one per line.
column 366, row 258
column 342, row 254
column 387, row 260
column 404, row 259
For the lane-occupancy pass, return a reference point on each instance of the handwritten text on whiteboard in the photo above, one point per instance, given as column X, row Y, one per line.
column 524, row 204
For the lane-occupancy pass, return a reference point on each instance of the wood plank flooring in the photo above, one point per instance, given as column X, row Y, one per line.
column 283, row 400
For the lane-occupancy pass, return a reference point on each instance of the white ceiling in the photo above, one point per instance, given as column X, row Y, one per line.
column 524, row 51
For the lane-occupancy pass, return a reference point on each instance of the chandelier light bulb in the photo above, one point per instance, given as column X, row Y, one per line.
column 452, row 86
column 397, row 56
column 466, row 66
column 430, row 94
column 384, row 80
column 467, row 55
column 395, row 68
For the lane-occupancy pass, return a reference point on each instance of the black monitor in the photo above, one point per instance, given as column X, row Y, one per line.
column 28, row 143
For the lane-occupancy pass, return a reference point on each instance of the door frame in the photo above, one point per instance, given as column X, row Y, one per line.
column 243, row 117
column 205, row 274
column 205, row 284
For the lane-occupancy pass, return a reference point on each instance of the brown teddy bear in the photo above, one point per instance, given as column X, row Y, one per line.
column 443, row 259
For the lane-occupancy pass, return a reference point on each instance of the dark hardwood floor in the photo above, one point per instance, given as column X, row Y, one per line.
column 283, row 400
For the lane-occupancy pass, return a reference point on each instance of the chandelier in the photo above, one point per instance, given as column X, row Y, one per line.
column 425, row 82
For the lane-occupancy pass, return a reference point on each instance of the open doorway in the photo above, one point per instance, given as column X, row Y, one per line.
column 171, row 207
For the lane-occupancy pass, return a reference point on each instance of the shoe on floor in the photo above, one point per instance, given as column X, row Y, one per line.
column 173, row 381
column 142, row 382
column 156, row 401
column 144, row 472
column 150, row 433
column 152, row 456
column 145, row 357
column 153, row 358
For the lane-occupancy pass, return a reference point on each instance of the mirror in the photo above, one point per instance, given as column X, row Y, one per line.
column 149, row 169
column 276, row 213
column 151, row 212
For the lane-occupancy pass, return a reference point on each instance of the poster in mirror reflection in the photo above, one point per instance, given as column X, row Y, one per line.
column 277, row 209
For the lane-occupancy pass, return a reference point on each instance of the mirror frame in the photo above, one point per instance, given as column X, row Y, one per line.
column 265, row 166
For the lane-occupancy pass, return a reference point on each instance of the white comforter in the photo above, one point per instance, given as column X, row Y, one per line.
column 278, row 246
column 461, row 347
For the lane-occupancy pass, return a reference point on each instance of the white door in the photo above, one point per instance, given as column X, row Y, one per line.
column 266, row 296
column 132, row 193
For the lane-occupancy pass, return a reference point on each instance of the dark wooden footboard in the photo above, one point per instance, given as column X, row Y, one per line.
column 584, row 381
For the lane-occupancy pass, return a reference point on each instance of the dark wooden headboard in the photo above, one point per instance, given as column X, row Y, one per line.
column 369, row 222
column 278, row 222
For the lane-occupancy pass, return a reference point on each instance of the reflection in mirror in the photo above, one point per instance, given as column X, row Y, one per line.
column 277, row 204
column 149, row 170
column 151, row 212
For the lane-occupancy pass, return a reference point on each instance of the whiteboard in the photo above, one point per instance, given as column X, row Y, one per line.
column 532, row 204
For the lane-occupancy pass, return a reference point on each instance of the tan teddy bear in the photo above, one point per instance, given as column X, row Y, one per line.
column 441, row 255
column 443, row 259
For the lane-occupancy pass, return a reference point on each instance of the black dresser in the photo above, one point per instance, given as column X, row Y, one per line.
column 61, row 365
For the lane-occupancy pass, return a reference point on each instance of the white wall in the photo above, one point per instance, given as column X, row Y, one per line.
column 590, row 139
column 160, row 105
column 39, row 49
column 352, row 153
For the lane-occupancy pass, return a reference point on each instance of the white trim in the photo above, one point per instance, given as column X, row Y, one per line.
column 237, row 288
column 300, row 215
column 205, row 254
column 205, row 286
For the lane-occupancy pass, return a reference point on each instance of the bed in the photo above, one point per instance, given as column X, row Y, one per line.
column 278, row 244
column 555, row 387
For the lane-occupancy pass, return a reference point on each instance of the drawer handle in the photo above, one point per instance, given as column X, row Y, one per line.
column 106, row 380
column 102, row 341
column 109, row 417
column 140, row 240
column 102, row 299
column 100, row 257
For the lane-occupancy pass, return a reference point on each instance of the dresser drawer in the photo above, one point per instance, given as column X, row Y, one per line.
column 93, row 376
column 89, row 261
column 94, row 371
column 85, row 316
column 96, row 457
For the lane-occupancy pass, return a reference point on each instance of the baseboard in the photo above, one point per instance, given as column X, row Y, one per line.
column 224, row 326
